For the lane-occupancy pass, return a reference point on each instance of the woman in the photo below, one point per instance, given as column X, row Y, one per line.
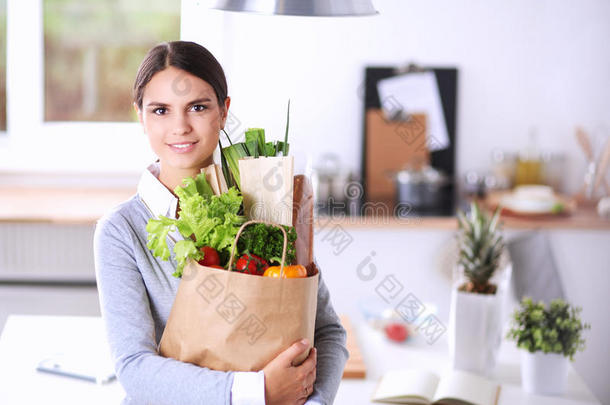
column 180, row 95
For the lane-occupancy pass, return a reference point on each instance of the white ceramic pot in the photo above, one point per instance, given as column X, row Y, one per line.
column 476, row 331
column 475, row 326
column 544, row 373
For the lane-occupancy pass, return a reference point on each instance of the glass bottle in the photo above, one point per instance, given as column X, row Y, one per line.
column 529, row 163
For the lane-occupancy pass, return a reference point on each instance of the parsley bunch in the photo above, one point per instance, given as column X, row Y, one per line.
column 267, row 242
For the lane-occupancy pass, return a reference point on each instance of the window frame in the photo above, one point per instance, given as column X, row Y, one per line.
column 96, row 147
column 3, row 133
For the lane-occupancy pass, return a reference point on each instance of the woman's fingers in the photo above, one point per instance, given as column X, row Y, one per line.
column 311, row 361
column 307, row 375
column 310, row 379
column 293, row 352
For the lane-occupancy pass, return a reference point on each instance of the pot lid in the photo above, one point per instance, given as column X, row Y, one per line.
column 427, row 174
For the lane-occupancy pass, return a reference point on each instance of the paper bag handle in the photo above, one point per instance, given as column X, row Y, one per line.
column 254, row 221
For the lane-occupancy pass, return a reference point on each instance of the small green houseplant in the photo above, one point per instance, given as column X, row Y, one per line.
column 549, row 337
column 556, row 329
column 477, row 301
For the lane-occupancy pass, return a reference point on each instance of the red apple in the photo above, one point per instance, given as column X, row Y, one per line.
column 396, row 331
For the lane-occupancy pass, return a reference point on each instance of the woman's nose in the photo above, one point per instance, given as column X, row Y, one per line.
column 181, row 125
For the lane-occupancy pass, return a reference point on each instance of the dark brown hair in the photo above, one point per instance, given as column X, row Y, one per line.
column 188, row 56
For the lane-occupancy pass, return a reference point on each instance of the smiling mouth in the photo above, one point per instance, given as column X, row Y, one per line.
column 182, row 147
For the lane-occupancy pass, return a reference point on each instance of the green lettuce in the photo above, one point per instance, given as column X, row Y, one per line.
column 205, row 220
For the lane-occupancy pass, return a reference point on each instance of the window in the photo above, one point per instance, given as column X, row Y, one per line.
column 2, row 65
column 70, row 69
column 92, row 50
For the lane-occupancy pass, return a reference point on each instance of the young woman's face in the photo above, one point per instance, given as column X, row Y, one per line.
column 182, row 118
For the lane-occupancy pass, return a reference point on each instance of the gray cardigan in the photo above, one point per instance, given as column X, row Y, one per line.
column 136, row 295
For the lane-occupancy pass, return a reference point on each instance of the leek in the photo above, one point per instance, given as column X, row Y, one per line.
column 232, row 155
column 252, row 147
column 255, row 145
column 257, row 135
column 285, row 148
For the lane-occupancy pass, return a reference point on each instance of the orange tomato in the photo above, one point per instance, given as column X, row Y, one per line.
column 295, row 271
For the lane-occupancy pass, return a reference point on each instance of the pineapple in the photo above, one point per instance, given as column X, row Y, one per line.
column 481, row 246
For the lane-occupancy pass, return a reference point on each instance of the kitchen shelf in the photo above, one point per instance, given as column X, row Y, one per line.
column 581, row 219
column 85, row 206
column 58, row 205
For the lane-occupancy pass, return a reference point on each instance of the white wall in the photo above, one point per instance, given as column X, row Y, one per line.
column 421, row 260
column 522, row 64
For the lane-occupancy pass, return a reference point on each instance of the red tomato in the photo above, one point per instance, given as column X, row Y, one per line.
column 216, row 266
column 261, row 264
column 246, row 264
column 251, row 264
column 396, row 331
column 210, row 257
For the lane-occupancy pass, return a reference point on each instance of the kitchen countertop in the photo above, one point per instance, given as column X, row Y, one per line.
column 85, row 206
column 26, row 340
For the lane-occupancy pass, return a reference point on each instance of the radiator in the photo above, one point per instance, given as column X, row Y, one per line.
column 46, row 251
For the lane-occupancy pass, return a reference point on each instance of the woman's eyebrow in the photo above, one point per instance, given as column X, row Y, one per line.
column 200, row 100
column 156, row 104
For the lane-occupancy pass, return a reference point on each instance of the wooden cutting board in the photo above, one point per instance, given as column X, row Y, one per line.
column 389, row 146
column 355, row 367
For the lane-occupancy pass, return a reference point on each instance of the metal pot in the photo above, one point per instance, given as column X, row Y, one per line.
column 420, row 188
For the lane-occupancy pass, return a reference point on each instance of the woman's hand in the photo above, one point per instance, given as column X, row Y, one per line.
column 287, row 384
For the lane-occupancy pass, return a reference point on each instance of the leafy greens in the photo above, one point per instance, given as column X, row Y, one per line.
column 205, row 220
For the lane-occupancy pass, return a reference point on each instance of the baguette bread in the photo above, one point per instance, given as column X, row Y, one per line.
column 302, row 220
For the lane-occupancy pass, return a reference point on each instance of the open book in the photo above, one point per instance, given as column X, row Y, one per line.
column 423, row 387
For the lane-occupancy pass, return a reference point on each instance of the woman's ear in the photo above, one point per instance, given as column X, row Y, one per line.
column 139, row 112
column 225, row 112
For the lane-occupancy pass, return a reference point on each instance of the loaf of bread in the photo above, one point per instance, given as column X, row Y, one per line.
column 302, row 220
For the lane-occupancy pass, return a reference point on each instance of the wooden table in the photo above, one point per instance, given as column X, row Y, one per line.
column 381, row 355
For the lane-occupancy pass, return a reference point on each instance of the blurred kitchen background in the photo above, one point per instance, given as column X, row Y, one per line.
column 524, row 92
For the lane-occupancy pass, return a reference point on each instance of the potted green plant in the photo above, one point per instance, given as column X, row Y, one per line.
column 549, row 339
column 478, row 297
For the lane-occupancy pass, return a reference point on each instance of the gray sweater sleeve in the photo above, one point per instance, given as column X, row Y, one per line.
column 329, row 340
column 147, row 377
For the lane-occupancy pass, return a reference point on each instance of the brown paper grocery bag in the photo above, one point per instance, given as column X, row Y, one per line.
column 267, row 188
column 226, row 320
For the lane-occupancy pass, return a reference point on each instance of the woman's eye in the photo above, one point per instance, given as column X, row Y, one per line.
column 199, row 107
column 160, row 111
